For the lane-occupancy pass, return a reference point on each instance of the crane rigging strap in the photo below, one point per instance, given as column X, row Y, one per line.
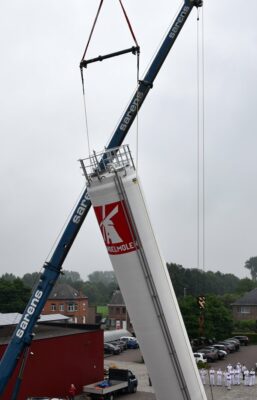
column 92, row 30
column 129, row 24
column 83, row 63
column 134, row 49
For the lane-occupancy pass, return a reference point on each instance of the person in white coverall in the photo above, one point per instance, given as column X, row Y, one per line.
column 228, row 380
column 246, row 375
column 203, row 375
column 219, row 377
column 251, row 377
column 237, row 376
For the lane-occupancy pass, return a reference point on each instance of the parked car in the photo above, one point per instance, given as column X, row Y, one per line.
column 195, row 344
column 221, row 353
column 200, row 357
column 201, row 342
column 207, row 341
column 122, row 344
column 131, row 341
column 211, row 354
column 110, row 348
column 221, row 347
column 235, row 341
column 132, row 344
column 128, row 338
column 242, row 339
column 231, row 346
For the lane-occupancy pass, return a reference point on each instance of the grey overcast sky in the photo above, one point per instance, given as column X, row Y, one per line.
column 43, row 132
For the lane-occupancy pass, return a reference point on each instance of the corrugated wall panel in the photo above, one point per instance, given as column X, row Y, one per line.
column 58, row 362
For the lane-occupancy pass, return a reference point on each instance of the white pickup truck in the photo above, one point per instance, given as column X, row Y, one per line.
column 118, row 381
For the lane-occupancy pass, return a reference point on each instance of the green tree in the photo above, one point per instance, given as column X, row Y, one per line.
column 251, row 264
column 229, row 298
column 30, row 279
column 217, row 318
column 190, row 312
column 14, row 295
column 8, row 277
column 195, row 282
column 69, row 276
column 99, row 292
column 100, row 287
column 245, row 285
column 106, row 277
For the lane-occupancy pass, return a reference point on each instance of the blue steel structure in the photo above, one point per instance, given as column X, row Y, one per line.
column 23, row 334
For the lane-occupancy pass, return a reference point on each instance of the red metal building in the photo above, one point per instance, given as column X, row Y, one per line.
column 60, row 354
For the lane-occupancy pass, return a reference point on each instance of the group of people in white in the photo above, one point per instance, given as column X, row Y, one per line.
column 232, row 375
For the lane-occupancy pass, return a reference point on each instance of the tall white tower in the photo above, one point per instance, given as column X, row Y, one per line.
column 116, row 195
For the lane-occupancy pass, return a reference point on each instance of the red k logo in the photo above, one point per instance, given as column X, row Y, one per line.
column 109, row 232
column 115, row 228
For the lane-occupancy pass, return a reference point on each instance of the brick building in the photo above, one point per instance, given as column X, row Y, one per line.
column 66, row 300
column 245, row 308
column 118, row 317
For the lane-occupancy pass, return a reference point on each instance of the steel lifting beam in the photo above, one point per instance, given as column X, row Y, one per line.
column 133, row 50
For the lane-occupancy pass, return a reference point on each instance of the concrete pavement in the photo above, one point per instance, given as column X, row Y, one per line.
column 132, row 359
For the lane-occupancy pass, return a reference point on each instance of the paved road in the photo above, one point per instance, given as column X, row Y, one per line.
column 132, row 359
column 246, row 355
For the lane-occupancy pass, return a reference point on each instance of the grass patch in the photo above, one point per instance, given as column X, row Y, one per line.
column 103, row 310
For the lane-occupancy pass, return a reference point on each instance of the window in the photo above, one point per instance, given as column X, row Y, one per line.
column 124, row 310
column 245, row 310
column 111, row 310
column 72, row 307
column 53, row 307
column 61, row 307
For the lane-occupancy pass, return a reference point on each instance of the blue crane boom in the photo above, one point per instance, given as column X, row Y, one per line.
column 23, row 334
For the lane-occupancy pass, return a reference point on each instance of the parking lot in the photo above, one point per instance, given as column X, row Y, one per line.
column 132, row 359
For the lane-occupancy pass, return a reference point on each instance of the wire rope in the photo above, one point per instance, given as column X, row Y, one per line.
column 203, row 127
column 198, row 141
column 200, row 145
column 85, row 113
